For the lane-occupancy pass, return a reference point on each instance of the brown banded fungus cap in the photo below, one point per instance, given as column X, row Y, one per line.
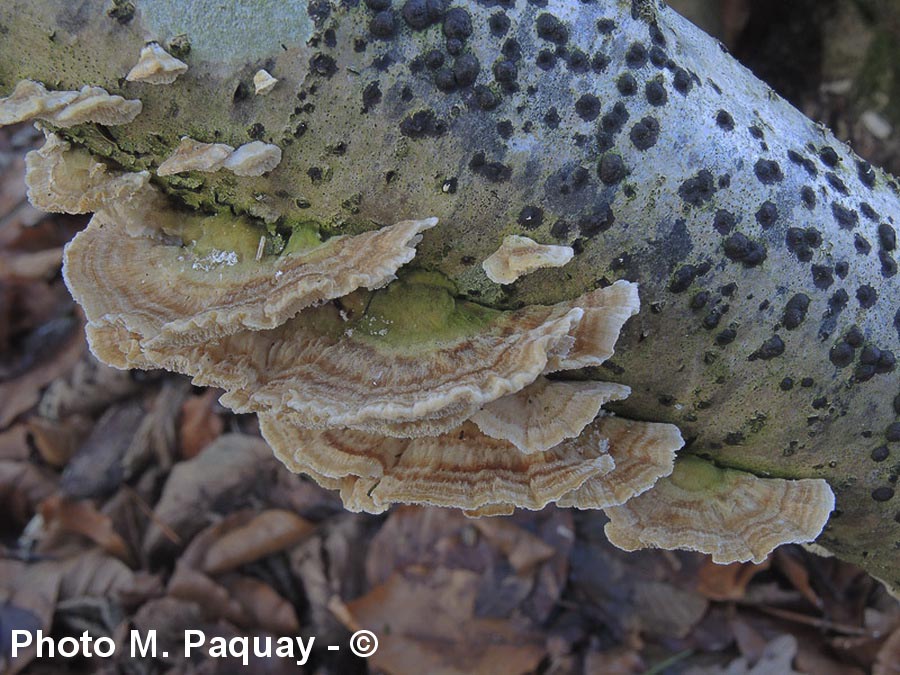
column 65, row 180
column 519, row 255
column 166, row 293
column 732, row 515
column 31, row 100
column 156, row 66
column 546, row 412
column 643, row 452
column 365, row 365
column 461, row 469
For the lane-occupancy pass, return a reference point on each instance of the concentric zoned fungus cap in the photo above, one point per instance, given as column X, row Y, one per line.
column 462, row 469
column 732, row 515
column 605, row 312
column 546, row 412
column 518, row 256
column 65, row 180
column 156, row 66
column 191, row 155
column 410, row 353
column 129, row 280
column 643, row 452
column 251, row 159
column 31, row 100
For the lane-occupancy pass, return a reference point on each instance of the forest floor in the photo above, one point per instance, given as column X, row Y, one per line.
column 132, row 500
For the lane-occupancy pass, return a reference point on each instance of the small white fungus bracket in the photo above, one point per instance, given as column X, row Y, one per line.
column 518, row 256
column 156, row 66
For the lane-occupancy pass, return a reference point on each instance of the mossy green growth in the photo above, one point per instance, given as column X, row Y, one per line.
column 698, row 475
column 304, row 236
column 420, row 310
column 210, row 234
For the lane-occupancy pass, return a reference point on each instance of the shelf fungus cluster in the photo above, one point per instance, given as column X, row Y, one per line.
column 383, row 383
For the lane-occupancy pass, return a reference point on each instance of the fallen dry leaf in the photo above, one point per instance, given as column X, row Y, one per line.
column 23, row 392
column 14, row 443
column 267, row 533
column 227, row 472
column 523, row 549
column 264, row 607
column 453, row 640
column 63, row 515
column 200, row 425
column 28, row 597
column 57, row 440
column 727, row 582
column 22, row 486
column 887, row 662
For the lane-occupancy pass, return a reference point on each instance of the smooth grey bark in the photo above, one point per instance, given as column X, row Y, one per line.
column 764, row 248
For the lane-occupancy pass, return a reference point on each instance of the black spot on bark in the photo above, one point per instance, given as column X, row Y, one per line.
column 682, row 82
column 419, row 14
column 546, row 59
column 383, row 25
column 599, row 220
column 822, row 276
column 421, row 124
column 841, row 355
column 883, row 494
column 495, row 172
column 808, row 197
column 599, row 62
column 531, row 217
column 724, row 120
column 795, row 311
column 499, row 24
column 769, row 349
column 768, row 171
column 611, row 169
column 656, row 93
column 682, row 280
column 699, row 189
column 371, row 96
column 457, row 24
column 588, row 107
column 861, row 244
column 550, row 28
column 829, row 157
column 846, row 218
column 805, row 162
column 645, row 133
column 636, row 55
column 746, row 251
column 724, row 221
column 866, row 173
column 767, row 215
column 880, row 453
column 626, row 84
column 866, row 296
column 836, row 182
column 551, row 118
column 323, row 65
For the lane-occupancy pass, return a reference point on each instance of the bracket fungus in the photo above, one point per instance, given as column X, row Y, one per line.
column 156, row 66
column 518, row 256
column 251, row 159
column 31, row 100
column 61, row 179
column 263, row 82
column 462, row 469
column 732, row 515
column 546, row 412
